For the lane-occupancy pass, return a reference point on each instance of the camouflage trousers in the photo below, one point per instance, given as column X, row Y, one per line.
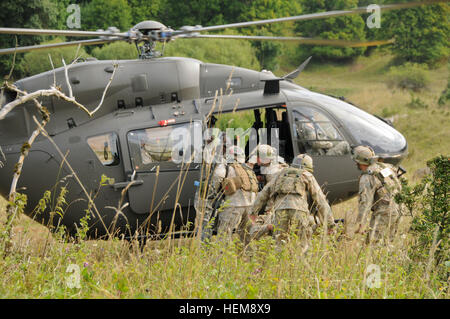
column 232, row 218
column 292, row 220
column 260, row 227
column 383, row 225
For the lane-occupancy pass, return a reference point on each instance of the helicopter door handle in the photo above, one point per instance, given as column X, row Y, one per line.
column 121, row 185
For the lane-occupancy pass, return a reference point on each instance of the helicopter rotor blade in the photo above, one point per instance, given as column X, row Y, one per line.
column 56, row 45
column 314, row 41
column 71, row 33
column 303, row 17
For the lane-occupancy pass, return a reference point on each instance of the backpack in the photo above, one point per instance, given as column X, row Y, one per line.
column 390, row 184
column 245, row 179
column 290, row 181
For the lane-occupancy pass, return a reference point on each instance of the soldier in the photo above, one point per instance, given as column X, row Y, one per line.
column 240, row 186
column 290, row 190
column 270, row 165
column 207, row 196
column 378, row 185
column 313, row 139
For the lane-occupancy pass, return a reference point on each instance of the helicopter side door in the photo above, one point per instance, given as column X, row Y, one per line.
column 163, row 159
column 316, row 133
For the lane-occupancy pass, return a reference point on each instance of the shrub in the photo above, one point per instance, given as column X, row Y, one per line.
column 116, row 51
column 416, row 103
column 445, row 96
column 38, row 61
column 432, row 224
column 420, row 33
column 411, row 76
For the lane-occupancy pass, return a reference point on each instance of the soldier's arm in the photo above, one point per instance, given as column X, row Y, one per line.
column 262, row 197
column 218, row 175
column 366, row 196
column 318, row 197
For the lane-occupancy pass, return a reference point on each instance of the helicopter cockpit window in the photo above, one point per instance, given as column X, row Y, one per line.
column 105, row 148
column 166, row 147
column 316, row 134
column 365, row 128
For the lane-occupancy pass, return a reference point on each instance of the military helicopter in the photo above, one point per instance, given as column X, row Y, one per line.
column 129, row 139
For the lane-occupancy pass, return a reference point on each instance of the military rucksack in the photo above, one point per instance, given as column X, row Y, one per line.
column 390, row 184
column 245, row 179
column 290, row 181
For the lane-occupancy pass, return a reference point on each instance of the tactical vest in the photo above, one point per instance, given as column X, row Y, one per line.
column 245, row 179
column 290, row 181
column 390, row 185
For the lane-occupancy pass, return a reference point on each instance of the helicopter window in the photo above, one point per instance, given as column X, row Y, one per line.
column 365, row 128
column 162, row 146
column 234, row 82
column 316, row 134
column 105, row 148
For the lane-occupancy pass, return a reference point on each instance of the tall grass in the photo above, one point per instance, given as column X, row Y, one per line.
column 111, row 269
column 38, row 264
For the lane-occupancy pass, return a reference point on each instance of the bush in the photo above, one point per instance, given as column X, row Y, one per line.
column 416, row 103
column 38, row 61
column 431, row 198
column 445, row 96
column 233, row 52
column 411, row 76
column 116, row 51
column 421, row 33
column 344, row 28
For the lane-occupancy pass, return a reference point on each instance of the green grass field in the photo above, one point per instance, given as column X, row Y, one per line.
column 38, row 264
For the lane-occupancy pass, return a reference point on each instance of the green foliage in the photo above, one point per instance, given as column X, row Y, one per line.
column 102, row 14
column 421, row 33
column 233, row 52
column 416, row 103
column 432, row 224
column 115, row 51
column 344, row 28
column 38, row 61
column 142, row 10
column 409, row 76
column 178, row 13
column 445, row 96
column 269, row 52
column 25, row 14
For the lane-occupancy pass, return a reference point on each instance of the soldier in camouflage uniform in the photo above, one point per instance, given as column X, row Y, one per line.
column 205, row 195
column 378, row 185
column 271, row 164
column 240, row 186
column 290, row 190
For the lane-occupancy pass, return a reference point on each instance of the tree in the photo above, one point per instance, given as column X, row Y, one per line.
column 24, row 14
column 344, row 28
column 142, row 10
column 102, row 14
column 269, row 52
column 421, row 33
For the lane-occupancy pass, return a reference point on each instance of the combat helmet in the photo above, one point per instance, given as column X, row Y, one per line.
column 266, row 153
column 303, row 161
column 363, row 155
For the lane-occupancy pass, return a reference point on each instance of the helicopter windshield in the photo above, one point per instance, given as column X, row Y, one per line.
column 365, row 128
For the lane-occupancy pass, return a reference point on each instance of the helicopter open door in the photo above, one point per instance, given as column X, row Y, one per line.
column 166, row 166
column 316, row 133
